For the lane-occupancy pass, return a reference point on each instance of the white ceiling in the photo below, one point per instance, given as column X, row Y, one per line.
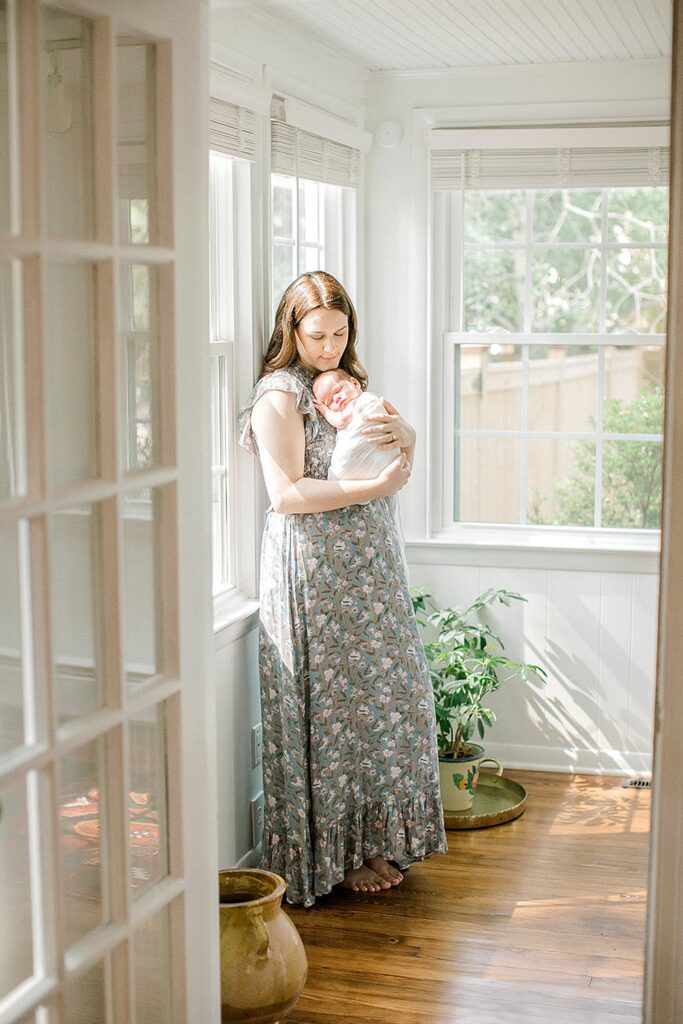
column 403, row 35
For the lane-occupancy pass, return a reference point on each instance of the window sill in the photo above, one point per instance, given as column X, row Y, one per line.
column 567, row 549
column 234, row 615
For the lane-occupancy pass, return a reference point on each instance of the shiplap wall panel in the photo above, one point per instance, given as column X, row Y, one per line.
column 404, row 35
column 595, row 633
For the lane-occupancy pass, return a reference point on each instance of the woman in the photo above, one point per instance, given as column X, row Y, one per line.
column 350, row 765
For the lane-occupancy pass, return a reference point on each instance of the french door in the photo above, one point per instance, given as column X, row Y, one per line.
column 107, row 846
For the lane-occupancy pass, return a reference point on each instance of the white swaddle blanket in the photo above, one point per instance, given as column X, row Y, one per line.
column 354, row 459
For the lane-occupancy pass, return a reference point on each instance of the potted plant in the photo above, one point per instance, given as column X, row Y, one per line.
column 467, row 662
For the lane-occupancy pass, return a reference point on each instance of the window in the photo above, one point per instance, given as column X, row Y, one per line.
column 313, row 196
column 554, row 303
column 231, row 326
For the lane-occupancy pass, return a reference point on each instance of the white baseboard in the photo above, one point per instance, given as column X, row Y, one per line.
column 251, row 859
column 589, row 762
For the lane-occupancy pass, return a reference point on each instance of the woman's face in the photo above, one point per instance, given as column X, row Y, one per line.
column 321, row 338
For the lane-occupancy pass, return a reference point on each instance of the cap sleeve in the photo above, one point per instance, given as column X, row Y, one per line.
column 279, row 380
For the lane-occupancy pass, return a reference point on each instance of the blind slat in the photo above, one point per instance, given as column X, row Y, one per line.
column 549, row 168
column 294, row 151
column 232, row 129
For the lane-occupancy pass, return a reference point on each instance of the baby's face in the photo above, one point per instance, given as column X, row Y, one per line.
column 335, row 390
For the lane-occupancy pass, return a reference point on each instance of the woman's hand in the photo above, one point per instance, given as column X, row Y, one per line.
column 389, row 429
column 394, row 477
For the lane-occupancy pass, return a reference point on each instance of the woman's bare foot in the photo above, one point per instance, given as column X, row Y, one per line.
column 364, row 879
column 385, row 870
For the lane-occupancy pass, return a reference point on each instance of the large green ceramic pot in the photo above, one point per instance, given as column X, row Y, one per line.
column 263, row 961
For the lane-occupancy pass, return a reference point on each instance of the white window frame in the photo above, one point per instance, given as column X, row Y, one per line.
column 233, row 340
column 447, row 312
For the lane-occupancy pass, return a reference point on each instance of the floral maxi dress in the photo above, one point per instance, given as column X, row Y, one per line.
column 350, row 766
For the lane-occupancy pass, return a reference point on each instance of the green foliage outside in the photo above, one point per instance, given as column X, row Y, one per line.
column 631, row 471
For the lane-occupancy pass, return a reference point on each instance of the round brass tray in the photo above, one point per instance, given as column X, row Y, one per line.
column 496, row 800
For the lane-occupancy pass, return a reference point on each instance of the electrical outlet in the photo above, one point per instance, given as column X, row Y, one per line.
column 256, row 745
column 257, row 819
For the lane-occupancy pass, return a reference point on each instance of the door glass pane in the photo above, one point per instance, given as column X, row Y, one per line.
column 4, row 123
column 68, row 128
column 148, row 835
column 563, row 387
column 84, row 998
column 138, row 332
column 71, row 367
column 490, row 387
column 16, row 961
column 82, row 841
column 11, row 471
column 136, row 134
column 11, row 659
column 140, row 530
column 76, row 610
column 152, row 970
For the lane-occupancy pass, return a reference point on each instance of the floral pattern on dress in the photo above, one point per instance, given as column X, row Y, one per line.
column 350, row 764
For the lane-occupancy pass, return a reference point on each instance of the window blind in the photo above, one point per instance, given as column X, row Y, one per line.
column 594, row 167
column 232, row 129
column 294, row 151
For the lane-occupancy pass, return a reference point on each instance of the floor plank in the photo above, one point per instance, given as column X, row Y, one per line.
column 539, row 920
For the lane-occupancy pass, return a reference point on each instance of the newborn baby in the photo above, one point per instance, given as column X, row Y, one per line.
column 338, row 397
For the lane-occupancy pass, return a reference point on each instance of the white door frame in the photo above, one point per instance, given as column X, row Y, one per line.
column 663, row 1001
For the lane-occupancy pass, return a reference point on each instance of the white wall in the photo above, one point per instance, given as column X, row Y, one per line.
column 591, row 618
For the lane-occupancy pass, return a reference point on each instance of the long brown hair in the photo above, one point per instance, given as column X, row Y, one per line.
column 313, row 290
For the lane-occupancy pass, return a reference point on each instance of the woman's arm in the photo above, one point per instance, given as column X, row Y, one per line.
column 390, row 429
column 279, row 431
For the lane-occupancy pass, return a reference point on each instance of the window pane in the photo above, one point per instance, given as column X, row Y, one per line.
column 638, row 214
column 284, row 270
column 561, row 215
column 310, row 226
column 566, row 287
column 632, row 484
column 494, row 290
column 563, row 387
column 138, row 327
column 148, row 830
column 16, row 962
column 634, row 397
column 495, row 216
column 68, row 125
column 636, row 291
column 71, row 369
column 490, row 387
column 222, row 418
column 85, row 999
column 152, row 967
column 561, row 482
column 76, row 610
column 82, row 840
column 283, row 206
column 488, row 470
column 141, row 550
column 310, row 258
column 136, row 137
column 11, row 661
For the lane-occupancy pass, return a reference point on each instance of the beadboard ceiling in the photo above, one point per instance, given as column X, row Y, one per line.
column 420, row 35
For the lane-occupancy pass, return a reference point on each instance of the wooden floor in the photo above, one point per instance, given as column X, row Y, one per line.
column 538, row 921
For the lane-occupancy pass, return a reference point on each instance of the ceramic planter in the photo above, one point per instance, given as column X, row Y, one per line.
column 458, row 777
column 263, row 962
